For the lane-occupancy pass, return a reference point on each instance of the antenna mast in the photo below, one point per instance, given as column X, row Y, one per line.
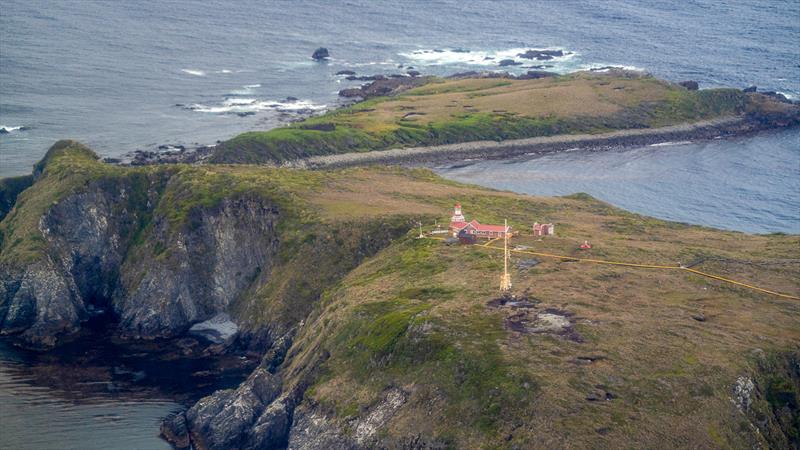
column 505, row 280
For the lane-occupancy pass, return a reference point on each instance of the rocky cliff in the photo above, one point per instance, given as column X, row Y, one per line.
column 371, row 338
column 157, row 248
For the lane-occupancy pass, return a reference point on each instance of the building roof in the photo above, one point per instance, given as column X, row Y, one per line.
column 480, row 227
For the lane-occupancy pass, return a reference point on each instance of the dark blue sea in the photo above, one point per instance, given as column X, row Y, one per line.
column 128, row 75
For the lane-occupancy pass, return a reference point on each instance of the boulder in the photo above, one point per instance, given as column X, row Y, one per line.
column 320, row 54
column 541, row 55
column 346, row 72
column 508, row 62
column 536, row 74
column 413, row 73
column 690, row 85
column 749, row 89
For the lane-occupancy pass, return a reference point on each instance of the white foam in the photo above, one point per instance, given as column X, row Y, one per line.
column 787, row 95
column 247, row 89
column 224, row 71
column 670, row 143
column 195, row 72
column 484, row 58
column 9, row 129
column 603, row 68
column 251, row 105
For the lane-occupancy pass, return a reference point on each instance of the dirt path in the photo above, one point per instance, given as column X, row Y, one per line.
column 725, row 126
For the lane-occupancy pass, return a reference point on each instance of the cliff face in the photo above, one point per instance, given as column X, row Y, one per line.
column 188, row 274
column 162, row 248
column 371, row 338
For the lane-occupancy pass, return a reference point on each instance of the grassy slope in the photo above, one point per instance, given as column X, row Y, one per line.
column 450, row 111
column 415, row 317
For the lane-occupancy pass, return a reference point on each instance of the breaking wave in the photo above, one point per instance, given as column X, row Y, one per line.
column 243, row 106
column 195, row 72
column 486, row 58
column 247, row 89
column 8, row 129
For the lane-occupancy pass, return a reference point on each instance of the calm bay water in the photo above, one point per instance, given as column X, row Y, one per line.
column 130, row 75
column 747, row 184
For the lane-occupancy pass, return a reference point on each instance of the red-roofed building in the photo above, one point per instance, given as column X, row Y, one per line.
column 459, row 224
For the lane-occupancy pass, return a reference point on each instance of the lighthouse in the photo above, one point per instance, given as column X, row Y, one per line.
column 457, row 216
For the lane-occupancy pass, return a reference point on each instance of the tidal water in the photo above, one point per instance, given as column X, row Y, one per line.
column 93, row 394
column 128, row 75
column 749, row 184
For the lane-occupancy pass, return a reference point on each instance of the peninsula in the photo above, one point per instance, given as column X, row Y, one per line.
column 416, row 120
column 372, row 337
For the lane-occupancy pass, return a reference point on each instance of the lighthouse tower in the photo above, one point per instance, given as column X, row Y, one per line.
column 457, row 216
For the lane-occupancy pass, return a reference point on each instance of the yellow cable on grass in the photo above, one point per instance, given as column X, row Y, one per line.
column 645, row 266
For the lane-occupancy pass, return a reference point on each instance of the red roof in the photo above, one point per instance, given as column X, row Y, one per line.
column 489, row 228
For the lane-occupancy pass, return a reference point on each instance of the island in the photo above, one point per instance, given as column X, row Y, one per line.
column 376, row 328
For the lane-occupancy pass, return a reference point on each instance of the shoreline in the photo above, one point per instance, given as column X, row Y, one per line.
column 729, row 126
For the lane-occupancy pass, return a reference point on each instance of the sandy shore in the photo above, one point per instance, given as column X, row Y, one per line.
column 725, row 126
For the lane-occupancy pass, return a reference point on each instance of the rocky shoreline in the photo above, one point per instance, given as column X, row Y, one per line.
column 450, row 153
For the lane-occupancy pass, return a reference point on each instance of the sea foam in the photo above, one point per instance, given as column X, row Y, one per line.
column 252, row 105
column 195, row 72
column 8, row 129
column 483, row 58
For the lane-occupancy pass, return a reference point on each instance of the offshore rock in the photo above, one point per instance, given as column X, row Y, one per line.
column 320, row 54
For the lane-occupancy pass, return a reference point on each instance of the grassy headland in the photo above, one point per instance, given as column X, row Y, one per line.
column 595, row 356
column 447, row 111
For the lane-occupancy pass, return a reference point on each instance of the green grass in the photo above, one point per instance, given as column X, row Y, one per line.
column 453, row 111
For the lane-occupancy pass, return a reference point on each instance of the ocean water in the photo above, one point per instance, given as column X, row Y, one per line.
column 749, row 184
column 128, row 75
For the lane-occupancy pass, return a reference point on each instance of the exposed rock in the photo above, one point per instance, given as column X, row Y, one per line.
column 249, row 417
column 777, row 95
column 742, row 393
column 690, row 85
column 749, row 89
column 40, row 302
column 312, row 430
column 191, row 273
column 346, row 72
column 88, row 235
column 320, row 54
column 219, row 329
column 413, row 73
column 382, row 87
column 366, row 77
column 367, row 427
column 175, row 431
column 541, row 55
column 508, row 62
column 536, row 74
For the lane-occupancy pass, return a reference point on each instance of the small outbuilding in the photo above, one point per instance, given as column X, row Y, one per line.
column 543, row 229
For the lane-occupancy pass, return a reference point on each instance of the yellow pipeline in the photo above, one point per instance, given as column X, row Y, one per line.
column 646, row 266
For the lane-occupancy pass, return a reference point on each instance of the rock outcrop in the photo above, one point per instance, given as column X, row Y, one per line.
column 188, row 274
column 690, row 85
column 320, row 54
column 108, row 246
